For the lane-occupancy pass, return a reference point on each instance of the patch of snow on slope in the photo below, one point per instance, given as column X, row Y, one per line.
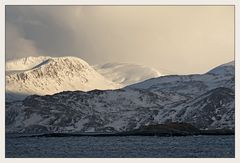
column 24, row 63
column 35, row 118
column 125, row 73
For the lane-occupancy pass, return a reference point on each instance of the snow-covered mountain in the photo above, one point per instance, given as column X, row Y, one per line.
column 191, row 85
column 49, row 75
column 206, row 101
column 126, row 73
column 213, row 109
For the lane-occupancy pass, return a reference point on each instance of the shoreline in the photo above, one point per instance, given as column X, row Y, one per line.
column 164, row 130
column 9, row 135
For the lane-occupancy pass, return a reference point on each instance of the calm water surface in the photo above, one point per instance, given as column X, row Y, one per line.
column 127, row 146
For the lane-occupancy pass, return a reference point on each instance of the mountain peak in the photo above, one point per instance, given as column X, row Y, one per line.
column 25, row 63
column 49, row 75
column 31, row 62
column 224, row 69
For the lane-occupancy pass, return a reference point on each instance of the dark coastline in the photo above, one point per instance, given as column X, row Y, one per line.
column 125, row 134
column 164, row 130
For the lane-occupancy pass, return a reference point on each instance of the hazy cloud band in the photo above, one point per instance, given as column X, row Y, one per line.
column 177, row 39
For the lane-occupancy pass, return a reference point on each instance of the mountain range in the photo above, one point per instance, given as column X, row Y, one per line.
column 46, row 75
column 203, row 100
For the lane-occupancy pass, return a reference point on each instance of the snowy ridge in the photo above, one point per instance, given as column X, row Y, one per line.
column 225, row 69
column 24, row 63
column 191, row 85
column 125, row 73
column 48, row 75
column 206, row 101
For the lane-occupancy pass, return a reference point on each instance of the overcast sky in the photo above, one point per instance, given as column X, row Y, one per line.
column 172, row 39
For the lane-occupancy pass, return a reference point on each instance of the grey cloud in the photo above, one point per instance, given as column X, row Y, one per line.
column 17, row 45
column 179, row 39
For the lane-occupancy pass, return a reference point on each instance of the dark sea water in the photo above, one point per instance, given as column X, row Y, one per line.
column 118, row 147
